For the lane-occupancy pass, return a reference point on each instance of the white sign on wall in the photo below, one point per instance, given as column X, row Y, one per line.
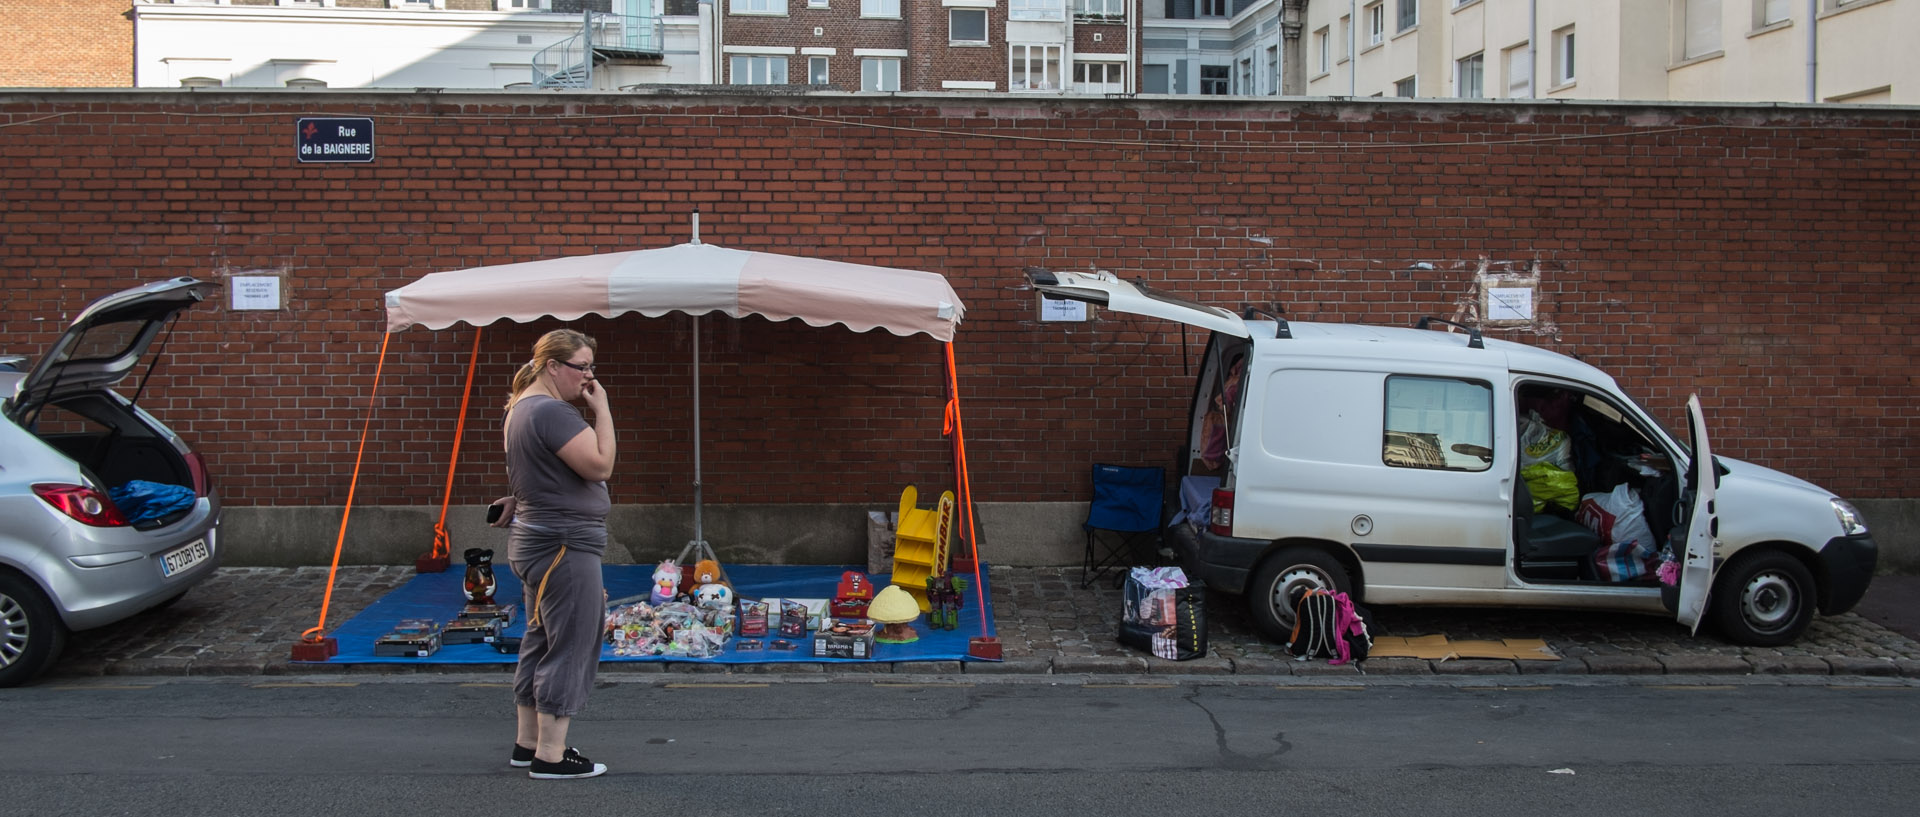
column 255, row 291
column 1062, row 309
column 1510, row 303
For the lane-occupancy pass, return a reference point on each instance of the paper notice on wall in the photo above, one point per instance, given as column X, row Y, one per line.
column 255, row 291
column 1510, row 303
column 1062, row 309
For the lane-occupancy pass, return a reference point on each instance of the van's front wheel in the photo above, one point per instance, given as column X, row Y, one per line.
column 1764, row 600
column 1286, row 576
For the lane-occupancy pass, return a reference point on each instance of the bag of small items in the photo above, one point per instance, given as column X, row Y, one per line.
column 1163, row 613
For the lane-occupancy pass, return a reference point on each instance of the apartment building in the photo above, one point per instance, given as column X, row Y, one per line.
column 1851, row 51
column 1216, row 47
column 880, row 46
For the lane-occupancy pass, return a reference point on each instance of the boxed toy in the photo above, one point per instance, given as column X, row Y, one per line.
column 465, row 630
column 843, row 638
column 411, row 638
column 503, row 612
column 753, row 618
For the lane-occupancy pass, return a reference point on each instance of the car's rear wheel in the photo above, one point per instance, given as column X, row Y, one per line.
column 1286, row 576
column 1764, row 599
column 31, row 632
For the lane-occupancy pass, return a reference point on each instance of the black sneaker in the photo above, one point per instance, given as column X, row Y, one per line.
column 571, row 765
column 522, row 757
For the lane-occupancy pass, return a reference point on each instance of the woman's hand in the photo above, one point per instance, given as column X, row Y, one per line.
column 596, row 397
column 506, row 504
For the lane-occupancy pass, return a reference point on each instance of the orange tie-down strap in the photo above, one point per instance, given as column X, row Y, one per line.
column 333, row 571
column 952, row 425
column 442, row 541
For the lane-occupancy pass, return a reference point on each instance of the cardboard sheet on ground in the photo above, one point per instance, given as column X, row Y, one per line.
column 437, row 596
column 1439, row 647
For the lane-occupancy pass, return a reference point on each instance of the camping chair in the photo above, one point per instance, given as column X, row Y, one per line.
column 1124, row 513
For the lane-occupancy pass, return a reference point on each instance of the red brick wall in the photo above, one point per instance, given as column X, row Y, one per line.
column 1762, row 256
column 70, row 43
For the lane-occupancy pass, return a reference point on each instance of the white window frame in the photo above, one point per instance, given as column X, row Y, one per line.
column 826, row 70
column 885, row 9
column 1404, row 22
column 411, row 4
column 1516, row 64
column 752, row 61
column 773, row 7
column 513, row 5
column 1770, row 13
column 1102, row 9
column 1566, row 56
column 1113, row 77
column 1376, row 23
column 1036, row 9
column 1470, row 76
column 1407, row 87
column 1697, row 32
column 986, row 31
column 1021, row 68
column 880, row 75
column 1244, row 78
column 1346, row 37
column 1270, row 70
column 1322, row 42
column 1224, row 82
column 1212, row 8
column 817, row 4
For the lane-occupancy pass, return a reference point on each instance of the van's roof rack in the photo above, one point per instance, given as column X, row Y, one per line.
column 1280, row 328
column 1473, row 335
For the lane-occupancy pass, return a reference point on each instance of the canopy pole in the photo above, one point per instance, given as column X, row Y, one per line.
column 699, row 536
column 313, row 644
column 696, row 226
column 442, row 554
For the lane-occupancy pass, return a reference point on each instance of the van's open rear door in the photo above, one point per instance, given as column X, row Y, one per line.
column 1703, row 525
column 1104, row 289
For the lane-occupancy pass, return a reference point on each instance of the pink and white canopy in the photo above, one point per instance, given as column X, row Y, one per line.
column 691, row 278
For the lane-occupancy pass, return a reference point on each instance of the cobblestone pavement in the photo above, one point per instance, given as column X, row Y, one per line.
column 245, row 620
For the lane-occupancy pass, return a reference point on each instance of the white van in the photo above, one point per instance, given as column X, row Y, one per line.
column 1387, row 462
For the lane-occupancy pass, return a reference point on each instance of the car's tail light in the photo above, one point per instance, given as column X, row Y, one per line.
column 86, row 505
column 1220, row 520
column 197, row 470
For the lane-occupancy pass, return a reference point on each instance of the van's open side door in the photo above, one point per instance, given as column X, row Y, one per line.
column 1106, row 290
column 1703, row 525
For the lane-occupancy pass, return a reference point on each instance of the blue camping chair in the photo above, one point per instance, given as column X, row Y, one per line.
column 1125, row 513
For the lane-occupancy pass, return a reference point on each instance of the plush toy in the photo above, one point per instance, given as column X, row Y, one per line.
column 707, row 571
column 666, row 582
column 714, row 596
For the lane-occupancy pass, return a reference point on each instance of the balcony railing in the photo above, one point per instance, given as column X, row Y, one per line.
column 569, row 63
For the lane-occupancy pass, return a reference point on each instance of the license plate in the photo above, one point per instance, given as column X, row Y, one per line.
column 183, row 557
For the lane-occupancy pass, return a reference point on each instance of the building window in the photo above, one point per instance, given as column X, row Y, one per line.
column 200, row 82
column 1409, row 15
column 755, row 70
column 1155, row 79
column 1769, row 12
column 1099, row 77
column 879, row 74
column 759, row 6
column 1439, row 423
column 306, row 82
column 1467, row 77
column 1321, row 40
column 877, row 8
column 1406, row 87
column 517, row 5
column 1563, row 58
column 1376, row 24
column 1346, row 37
column 817, row 70
column 1519, row 62
column 1214, row 79
column 1272, row 70
column 967, row 26
column 1034, row 9
column 1213, row 8
column 1033, row 67
column 1701, row 28
column 1102, row 9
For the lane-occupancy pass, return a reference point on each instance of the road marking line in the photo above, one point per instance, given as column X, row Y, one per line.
column 104, row 686
column 910, row 684
column 290, row 685
column 1872, row 687
column 487, row 686
column 1693, row 687
column 1128, row 686
column 717, row 686
column 1327, row 688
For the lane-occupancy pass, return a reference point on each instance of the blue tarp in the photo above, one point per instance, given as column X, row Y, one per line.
column 438, row 596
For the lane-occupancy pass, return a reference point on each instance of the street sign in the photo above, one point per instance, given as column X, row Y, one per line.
column 335, row 140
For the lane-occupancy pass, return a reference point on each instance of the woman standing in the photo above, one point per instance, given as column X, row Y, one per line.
column 558, row 467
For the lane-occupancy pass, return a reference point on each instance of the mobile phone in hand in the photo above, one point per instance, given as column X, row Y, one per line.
column 494, row 511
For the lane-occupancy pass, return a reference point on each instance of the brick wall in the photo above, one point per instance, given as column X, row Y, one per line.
column 841, row 28
column 1763, row 256
column 72, row 43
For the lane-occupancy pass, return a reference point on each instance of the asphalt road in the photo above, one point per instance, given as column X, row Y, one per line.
column 438, row 745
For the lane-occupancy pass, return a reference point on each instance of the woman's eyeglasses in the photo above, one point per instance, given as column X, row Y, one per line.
column 578, row 367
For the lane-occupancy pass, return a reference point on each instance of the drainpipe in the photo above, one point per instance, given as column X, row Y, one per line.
column 1813, row 50
column 1353, row 49
column 1134, row 23
column 1533, row 52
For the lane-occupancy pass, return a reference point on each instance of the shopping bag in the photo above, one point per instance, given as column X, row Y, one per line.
column 1164, row 614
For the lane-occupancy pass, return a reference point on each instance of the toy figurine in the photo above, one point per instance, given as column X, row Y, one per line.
column 895, row 609
column 943, row 600
column 479, row 583
column 666, row 583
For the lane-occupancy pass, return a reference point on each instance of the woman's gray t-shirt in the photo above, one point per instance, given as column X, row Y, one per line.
column 549, row 497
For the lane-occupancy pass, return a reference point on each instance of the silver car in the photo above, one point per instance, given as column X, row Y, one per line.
column 71, row 558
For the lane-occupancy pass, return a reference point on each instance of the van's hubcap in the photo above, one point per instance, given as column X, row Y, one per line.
column 1294, row 582
column 13, row 631
column 1767, row 601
